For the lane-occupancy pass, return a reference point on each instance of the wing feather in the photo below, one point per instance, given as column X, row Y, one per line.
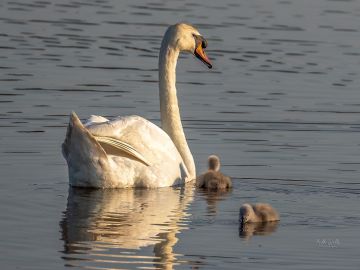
column 117, row 146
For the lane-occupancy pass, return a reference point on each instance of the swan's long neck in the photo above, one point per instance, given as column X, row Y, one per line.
column 169, row 108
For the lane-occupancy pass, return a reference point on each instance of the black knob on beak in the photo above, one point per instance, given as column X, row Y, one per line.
column 204, row 43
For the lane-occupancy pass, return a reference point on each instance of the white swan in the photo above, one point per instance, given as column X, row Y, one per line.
column 131, row 151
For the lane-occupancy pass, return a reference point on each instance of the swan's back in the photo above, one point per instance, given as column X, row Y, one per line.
column 91, row 165
column 259, row 212
column 265, row 212
column 213, row 180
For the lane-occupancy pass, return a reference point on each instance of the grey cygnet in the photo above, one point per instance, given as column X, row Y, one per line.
column 260, row 212
column 213, row 179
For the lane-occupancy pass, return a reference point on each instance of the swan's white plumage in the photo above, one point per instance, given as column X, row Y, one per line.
column 167, row 159
column 90, row 165
column 95, row 119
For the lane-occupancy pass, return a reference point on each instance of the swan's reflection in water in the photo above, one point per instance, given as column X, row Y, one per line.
column 247, row 230
column 117, row 229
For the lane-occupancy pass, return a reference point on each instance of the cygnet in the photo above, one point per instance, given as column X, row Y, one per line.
column 260, row 212
column 213, row 179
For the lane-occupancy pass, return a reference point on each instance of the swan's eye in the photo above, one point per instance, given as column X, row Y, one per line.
column 200, row 40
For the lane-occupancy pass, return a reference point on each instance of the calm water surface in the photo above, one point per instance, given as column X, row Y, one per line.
column 281, row 107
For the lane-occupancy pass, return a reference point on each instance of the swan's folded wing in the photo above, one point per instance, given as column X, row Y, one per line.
column 115, row 146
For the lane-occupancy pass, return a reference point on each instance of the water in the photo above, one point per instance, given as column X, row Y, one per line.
column 281, row 108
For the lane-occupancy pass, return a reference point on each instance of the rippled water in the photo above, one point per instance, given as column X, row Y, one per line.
column 281, row 107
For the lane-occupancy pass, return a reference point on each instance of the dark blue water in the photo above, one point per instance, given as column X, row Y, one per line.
column 281, row 108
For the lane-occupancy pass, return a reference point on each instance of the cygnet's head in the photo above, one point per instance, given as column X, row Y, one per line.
column 246, row 213
column 214, row 163
column 185, row 37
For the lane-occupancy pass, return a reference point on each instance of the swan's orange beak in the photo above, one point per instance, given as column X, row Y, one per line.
column 200, row 53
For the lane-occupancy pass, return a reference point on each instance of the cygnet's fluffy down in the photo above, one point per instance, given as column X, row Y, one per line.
column 260, row 212
column 213, row 179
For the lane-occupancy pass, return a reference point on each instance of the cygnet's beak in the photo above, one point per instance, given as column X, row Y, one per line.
column 199, row 52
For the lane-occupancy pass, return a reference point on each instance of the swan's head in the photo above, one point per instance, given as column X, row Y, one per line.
column 214, row 163
column 246, row 213
column 186, row 38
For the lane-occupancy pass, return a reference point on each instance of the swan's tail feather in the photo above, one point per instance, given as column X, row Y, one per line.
column 87, row 160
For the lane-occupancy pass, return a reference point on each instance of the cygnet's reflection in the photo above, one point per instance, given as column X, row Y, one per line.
column 212, row 197
column 247, row 230
column 124, row 219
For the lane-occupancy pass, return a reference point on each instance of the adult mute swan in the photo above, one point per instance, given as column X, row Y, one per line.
column 131, row 151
